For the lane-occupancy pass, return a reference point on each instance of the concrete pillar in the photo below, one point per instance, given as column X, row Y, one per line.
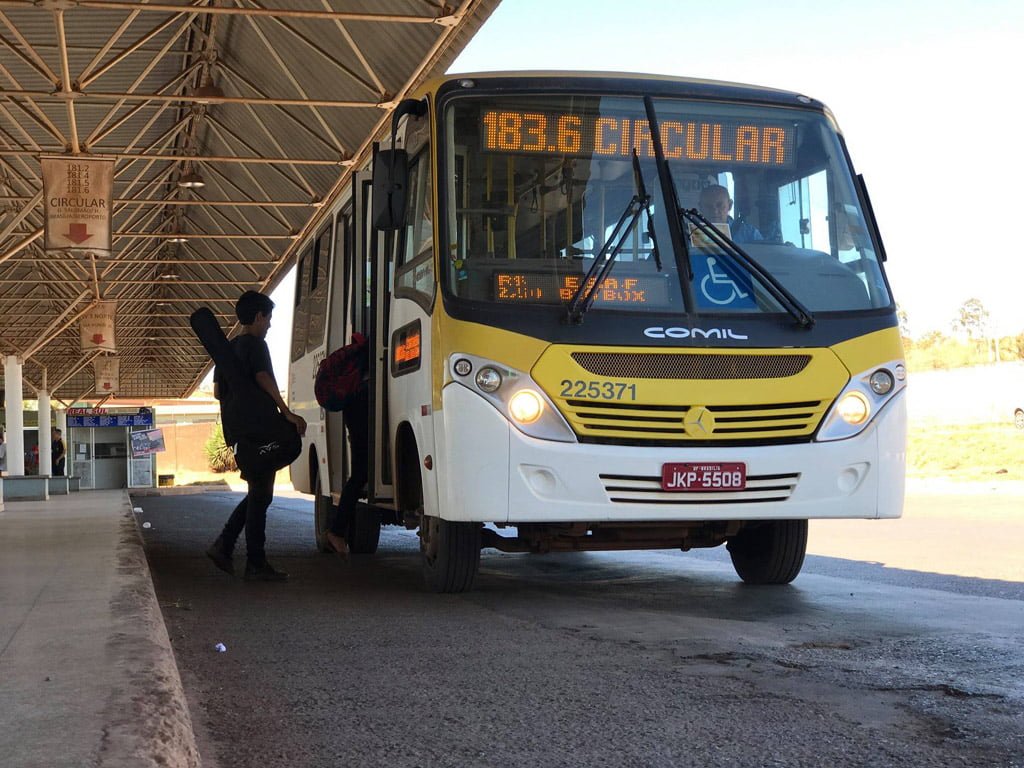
column 15, row 418
column 45, row 441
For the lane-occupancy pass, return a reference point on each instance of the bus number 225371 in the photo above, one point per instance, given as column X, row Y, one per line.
column 598, row 390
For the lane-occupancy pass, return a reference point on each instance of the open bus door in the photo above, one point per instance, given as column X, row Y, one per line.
column 338, row 334
column 373, row 286
column 360, row 304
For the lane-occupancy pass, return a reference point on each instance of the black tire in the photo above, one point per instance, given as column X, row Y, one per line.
column 451, row 554
column 364, row 530
column 323, row 515
column 770, row 552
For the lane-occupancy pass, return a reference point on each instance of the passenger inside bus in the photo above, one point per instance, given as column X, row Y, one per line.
column 715, row 205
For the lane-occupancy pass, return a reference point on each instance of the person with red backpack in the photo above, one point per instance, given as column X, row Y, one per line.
column 342, row 384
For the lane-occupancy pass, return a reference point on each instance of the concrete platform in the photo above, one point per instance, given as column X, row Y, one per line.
column 87, row 674
column 58, row 486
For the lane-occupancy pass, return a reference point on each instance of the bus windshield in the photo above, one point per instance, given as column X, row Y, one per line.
column 535, row 186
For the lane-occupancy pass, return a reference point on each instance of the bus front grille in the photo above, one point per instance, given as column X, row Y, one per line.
column 608, row 422
column 646, row 489
column 700, row 366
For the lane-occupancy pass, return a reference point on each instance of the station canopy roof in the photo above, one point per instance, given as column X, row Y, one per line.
column 267, row 106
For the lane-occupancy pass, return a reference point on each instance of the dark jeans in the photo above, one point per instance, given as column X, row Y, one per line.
column 251, row 514
column 58, row 468
column 357, row 425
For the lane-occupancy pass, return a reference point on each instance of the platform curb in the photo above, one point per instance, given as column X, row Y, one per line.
column 148, row 724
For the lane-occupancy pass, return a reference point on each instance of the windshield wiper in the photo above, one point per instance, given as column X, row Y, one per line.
column 680, row 244
column 778, row 291
column 669, row 196
column 641, row 190
column 605, row 260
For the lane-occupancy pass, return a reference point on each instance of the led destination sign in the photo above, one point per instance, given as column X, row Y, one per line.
column 526, row 288
column 556, row 133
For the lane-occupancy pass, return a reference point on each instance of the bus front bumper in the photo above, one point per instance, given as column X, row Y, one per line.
column 492, row 472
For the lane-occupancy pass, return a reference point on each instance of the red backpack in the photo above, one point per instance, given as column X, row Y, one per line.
column 340, row 375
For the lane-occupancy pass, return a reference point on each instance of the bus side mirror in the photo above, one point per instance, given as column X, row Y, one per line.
column 390, row 188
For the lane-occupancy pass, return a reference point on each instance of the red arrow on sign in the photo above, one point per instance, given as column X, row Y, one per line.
column 78, row 233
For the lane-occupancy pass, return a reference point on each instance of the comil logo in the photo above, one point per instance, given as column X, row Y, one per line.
column 659, row 332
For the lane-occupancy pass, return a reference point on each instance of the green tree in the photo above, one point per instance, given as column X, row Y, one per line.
column 218, row 455
column 901, row 315
column 972, row 319
column 931, row 339
column 1016, row 345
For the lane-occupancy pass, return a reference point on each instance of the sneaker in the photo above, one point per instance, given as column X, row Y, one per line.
column 220, row 557
column 264, row 572
column 338, row 544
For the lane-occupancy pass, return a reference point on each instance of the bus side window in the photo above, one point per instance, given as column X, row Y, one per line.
column 317, row 299
column 414, row 275
column 300, row 316
column 803, row 212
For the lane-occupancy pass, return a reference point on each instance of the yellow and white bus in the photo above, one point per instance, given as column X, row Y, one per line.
column 608, row 312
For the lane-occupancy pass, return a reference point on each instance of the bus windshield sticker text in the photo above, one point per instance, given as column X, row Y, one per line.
column 597, row 390
column 700, row 140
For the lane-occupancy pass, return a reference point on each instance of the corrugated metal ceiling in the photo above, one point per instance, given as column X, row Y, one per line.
column 306, row 85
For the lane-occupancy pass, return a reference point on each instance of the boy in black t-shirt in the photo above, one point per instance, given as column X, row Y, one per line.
column 253, row 310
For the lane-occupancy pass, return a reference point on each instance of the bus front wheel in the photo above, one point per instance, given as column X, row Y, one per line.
column 323, row 514
column 451, row 553
column 364, row 530
column 769, row 553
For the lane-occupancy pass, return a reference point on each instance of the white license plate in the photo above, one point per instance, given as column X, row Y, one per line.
column 701, row 476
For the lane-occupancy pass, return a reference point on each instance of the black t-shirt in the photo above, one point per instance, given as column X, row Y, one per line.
column 255, row 356
column 57, row 450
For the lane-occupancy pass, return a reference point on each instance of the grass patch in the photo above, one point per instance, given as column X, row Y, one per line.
column 966, row 451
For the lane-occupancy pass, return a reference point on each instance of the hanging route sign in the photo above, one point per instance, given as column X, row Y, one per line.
column 77, row 197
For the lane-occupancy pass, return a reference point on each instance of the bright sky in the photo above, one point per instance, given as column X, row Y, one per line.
column 925, row 92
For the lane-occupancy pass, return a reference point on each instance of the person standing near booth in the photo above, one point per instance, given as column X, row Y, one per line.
column 58, row 453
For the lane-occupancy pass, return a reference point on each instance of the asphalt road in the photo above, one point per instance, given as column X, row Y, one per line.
column 609, row 659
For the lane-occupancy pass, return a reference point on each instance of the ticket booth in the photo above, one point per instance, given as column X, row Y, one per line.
column 99, row 447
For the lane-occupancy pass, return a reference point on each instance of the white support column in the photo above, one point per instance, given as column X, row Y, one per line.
column 45, row 459
column 15, row 418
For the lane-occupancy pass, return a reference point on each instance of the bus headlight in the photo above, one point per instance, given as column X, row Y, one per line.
column 514, row 394
column 854, row 408
column 881, row 382
column 525, row 406
column 861, row 400
column 488, row 379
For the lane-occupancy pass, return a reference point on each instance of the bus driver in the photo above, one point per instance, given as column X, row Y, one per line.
column 715, row 205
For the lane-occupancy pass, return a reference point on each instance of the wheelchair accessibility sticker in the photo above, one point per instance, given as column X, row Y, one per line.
column 721, row 283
